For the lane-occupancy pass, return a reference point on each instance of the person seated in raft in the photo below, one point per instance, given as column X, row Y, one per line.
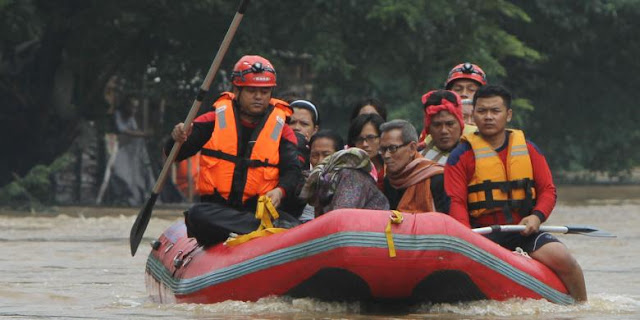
column 247, row 151
column 368, row 105
column 323, row 144
column 305, row 118
column 364, row 133
column 443, row 125
column 304, row 122
column 465, row 79
column 343, row 180
column 413, row 183
column 479, row 166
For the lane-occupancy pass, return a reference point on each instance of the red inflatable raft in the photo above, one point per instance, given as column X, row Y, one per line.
column 344, row 255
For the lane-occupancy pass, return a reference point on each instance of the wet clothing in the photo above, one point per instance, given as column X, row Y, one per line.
column 460, row 170
column 513, row 240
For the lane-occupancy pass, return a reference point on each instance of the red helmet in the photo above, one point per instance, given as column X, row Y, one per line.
column 253, row 71
column 466, row 71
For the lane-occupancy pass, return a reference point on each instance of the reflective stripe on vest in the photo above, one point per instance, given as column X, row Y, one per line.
column 220, row 159
column 493, row 188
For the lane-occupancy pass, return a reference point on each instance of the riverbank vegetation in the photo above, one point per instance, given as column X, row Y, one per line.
column 571, row 64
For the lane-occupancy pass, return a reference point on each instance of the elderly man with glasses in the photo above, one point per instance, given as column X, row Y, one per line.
column 413, row 183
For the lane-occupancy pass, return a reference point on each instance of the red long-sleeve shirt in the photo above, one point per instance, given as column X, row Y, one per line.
column 459, row 171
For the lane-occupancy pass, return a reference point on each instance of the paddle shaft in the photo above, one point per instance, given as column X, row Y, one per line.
column 519, row 228
column 142, row 220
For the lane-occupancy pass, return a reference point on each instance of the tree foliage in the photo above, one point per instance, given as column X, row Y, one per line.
column 573, row 60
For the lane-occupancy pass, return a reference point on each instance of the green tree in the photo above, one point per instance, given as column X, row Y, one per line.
column 585, row 88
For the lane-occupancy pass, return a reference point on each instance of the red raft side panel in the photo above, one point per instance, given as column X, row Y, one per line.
column 344, row 255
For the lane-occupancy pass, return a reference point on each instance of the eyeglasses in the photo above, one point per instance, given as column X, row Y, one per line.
column 392, row 148
column 370, row 139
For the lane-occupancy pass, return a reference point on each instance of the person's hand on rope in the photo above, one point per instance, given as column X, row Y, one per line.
column 276, row 196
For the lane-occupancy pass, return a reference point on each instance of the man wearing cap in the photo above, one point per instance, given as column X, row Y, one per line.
column 247, row 151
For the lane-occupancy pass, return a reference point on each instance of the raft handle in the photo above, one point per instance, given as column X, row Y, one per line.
column 155, row 244
column 177, row 260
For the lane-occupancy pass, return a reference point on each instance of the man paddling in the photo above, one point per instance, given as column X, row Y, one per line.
column 495, row 176
column 247, row 151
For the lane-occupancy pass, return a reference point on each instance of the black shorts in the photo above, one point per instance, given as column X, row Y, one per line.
column 512, row 240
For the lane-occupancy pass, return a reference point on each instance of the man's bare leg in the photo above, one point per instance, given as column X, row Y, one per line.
column 557, row 257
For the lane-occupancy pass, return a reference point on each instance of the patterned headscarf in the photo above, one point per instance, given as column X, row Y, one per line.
column 322, row 182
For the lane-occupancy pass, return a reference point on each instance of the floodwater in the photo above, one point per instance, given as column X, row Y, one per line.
column 76, row 265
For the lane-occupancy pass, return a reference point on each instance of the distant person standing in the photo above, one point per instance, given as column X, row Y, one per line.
column 109, row 146
column 131, row 176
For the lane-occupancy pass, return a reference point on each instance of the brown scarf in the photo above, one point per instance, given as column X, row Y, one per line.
column 416, row 178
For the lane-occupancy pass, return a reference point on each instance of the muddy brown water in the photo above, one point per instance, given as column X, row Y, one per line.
column 75, row 264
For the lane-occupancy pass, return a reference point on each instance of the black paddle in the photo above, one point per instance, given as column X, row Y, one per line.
column 140, row 225
column 575, row 229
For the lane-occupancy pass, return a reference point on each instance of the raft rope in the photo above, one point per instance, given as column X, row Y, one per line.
column 395, row 218
column 265, row 211
column 521, row 252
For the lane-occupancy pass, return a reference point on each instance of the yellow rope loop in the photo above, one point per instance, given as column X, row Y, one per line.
column 232, row 242
column 265, row 211
column 395, row 218
column 265, row 205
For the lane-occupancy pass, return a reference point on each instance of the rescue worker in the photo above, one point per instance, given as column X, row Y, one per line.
column 465, row 79
column 495, row 176
column 443, row 123
column 247, row 151
column 413, row 183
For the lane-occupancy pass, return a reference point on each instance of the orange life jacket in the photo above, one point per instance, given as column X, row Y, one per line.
column 496, row 188
column 187, row 174
column 257, row 168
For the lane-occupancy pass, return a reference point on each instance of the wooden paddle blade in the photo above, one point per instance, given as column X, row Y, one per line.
column 138, row 228
column 589, row 231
